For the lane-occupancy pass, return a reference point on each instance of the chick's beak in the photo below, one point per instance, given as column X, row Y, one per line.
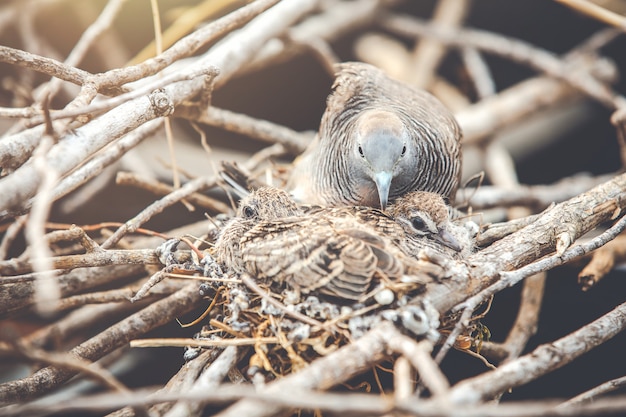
column 383, row 184
column 447, row 239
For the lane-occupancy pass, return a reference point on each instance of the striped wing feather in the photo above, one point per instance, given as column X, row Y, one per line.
column 311, row 255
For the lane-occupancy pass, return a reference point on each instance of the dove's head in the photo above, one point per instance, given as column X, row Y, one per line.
column 384, row 153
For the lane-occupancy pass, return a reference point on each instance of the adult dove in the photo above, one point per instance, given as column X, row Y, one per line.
column 378, row 139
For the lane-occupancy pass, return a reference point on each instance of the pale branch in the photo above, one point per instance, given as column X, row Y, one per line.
column 510, row 278
column 514, row 49
column 479, row 72
column 210, row 379
column 12, row 232
column 492, row 232
column 43, row 64
column 15, row 149
column 597, row 12
column 602, row 262
column 179, row 383
column 147, row 89
column 324, row 373
column 64, row 360
column 337, row 18
column 88, row 38
column 526, row 322
column 570, row 219
column 74, row 324
column 541, row 361
column 73, row 148
column 159, row 188
column 185, row 47
column 345, row 403
column 156, row 314
column 101, row 160
column 90, row 259
column 429, row 52
column 116, row 295
column 419, row 355
column 208, row 343
column 157, row 207
column 263, row 130
column 535, row 196
column 593, row 394
column 18, row 295
column 46, row 289
column 510, row 106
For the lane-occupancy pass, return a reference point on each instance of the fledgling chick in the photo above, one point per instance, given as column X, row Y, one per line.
column 378, row 139
column 271, row 238
column 265, row 203
column 425, row 218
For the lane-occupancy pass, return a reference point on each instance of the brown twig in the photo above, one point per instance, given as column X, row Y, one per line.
column 602, row 262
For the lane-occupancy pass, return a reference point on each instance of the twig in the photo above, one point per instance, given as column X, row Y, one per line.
column 11, row 233
column 262, row 130
column 249, row 282
column 327, row 371
column 542, row 360
column 73, row 149
column 47, row 292
column 155, row 315
column 508, row 279
column 159, row 188
column 96, row 258
column 539, row 59
column 88, row 38
column 597, row 12
column 535, row 196
column 177, row 342
column 209, row 380
column 429, row 51
column 418, row 355
column 479, row 72
column 157, row 207
column 592, row 394
column 335, row 403
column 67, row 361
column 44, row 65
column 525, row 325
column 602, row 262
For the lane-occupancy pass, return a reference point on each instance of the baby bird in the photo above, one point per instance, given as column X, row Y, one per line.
column 425, row 219
column 334, row 251
column 266, row 203
column 378, row 139
column 271, row 238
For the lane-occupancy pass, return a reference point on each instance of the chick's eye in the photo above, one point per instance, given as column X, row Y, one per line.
column 418, row 223
column 403, row 150
column 361, row 151
column 249, row 212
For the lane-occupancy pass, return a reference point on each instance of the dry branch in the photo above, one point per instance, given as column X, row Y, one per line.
column 156, row 314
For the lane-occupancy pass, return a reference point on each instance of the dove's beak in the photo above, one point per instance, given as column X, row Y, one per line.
column 383, row 184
